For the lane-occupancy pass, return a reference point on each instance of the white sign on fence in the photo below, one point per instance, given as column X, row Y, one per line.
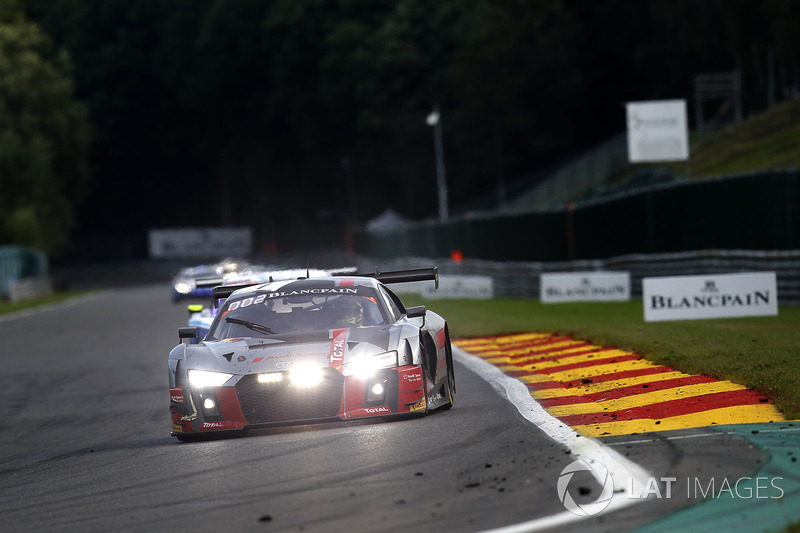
column 468, row 287
column 711, row 296
column 657, row 131
column 200, row 242
column 585, row 287
column 472, row 287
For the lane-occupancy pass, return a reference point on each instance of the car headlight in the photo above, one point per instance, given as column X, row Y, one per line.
column 182, row 287
column 204, row 378
column 367, row 365
column 305, row 375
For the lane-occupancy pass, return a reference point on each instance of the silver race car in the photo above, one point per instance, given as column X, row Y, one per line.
column 305, row 350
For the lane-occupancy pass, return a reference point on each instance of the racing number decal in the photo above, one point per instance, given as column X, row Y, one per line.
column 246, row 302
column 337, row 348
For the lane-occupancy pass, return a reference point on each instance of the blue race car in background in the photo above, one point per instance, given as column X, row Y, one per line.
column 188, row 282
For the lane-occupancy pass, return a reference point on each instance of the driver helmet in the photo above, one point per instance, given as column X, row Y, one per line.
column 348, row 312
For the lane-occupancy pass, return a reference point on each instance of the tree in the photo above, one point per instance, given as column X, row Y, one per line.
column 44, row 137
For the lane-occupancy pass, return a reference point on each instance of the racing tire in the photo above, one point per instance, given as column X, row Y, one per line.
column 427, row 409
column 451, row 375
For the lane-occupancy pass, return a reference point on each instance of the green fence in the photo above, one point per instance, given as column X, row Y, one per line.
column 17, row 263
column 759, row 211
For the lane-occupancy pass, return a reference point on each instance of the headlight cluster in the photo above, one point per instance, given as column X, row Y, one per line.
column 305, row 375
column 299, row 376
column 366, row 365
column 182, row 287
column 204, row 378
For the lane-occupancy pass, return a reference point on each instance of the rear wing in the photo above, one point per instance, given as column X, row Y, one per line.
column 222, row 292
column 207, row 283
column 403, row 276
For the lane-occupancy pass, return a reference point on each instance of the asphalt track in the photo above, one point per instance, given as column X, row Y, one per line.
column 85, row 446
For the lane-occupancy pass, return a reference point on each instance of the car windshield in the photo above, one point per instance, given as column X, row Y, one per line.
column 265, row 314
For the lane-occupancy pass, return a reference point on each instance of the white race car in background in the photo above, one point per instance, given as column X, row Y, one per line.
column 201, row 316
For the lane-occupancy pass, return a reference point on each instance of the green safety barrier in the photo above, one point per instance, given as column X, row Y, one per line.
column 17, row 262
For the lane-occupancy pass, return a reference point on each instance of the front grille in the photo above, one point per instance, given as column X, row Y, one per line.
column 263, row 403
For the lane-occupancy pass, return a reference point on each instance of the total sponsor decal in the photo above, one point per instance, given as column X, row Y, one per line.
column 213, row 426
column 337, row 348
column 370, row 411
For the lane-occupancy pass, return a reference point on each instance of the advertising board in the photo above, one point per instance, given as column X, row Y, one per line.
column 200, row 242
column 450, row 286
column 709, row 296
column 585, row 287
column 657, row 131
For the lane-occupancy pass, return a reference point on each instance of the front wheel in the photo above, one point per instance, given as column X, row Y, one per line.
column 451, row 375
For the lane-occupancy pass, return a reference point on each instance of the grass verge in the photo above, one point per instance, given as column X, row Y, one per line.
column 762, row 353
column 11, row 307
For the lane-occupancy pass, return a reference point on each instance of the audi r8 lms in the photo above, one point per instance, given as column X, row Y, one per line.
column 307, row 350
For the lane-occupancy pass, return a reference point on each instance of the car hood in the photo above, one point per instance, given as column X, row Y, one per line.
column 332, row 348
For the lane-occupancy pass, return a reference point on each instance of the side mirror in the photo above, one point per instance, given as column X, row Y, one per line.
column 187, row 333
column 416, row 311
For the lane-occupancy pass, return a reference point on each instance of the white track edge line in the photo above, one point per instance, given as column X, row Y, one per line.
column 630, row 479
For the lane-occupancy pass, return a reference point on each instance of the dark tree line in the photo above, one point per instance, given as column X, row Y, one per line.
column 44, row 137
column 278, row 113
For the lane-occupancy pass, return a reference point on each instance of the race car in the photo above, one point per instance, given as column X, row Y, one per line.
column 188, row 282
column 309, row 350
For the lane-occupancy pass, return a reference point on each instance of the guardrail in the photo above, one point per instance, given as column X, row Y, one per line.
column 510, row 278
column 521, row 279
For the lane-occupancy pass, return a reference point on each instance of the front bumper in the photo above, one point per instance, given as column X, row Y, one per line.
column 252, row 404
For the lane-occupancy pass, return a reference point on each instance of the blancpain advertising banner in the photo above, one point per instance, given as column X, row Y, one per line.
column 200, row 242
column 657, row 131
column 709, row 296
column 585, row 287
column 469, row 287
